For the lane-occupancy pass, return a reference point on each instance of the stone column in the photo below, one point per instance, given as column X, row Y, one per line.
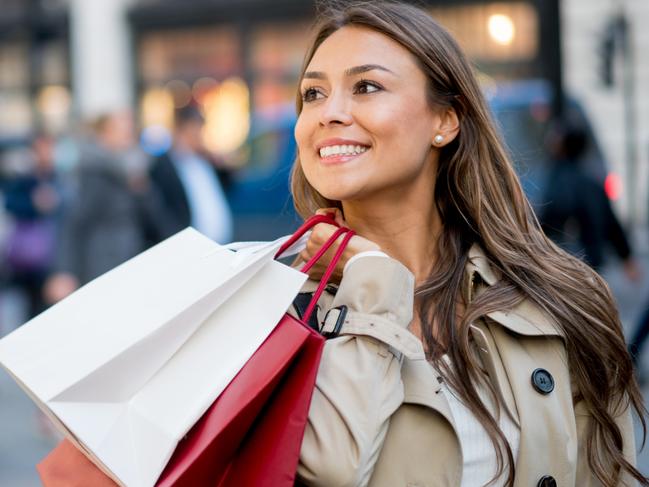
column 101, row 55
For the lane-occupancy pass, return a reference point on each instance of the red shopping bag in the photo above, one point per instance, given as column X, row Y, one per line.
column 252, row 434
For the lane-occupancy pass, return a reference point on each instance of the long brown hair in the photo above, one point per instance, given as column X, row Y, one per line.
column 480, row 200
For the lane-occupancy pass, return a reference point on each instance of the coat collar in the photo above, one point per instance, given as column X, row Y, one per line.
column 526, row 318
column 478, row 264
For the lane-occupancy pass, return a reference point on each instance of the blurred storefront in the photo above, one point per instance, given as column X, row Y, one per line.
column 64, row 61
column 242, row 58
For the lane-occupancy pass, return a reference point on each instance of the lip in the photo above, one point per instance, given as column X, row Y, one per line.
column 340, row 158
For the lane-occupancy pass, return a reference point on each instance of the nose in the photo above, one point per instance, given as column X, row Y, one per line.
column 335, row 110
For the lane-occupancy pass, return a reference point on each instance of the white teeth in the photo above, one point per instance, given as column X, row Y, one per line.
column 345, row 150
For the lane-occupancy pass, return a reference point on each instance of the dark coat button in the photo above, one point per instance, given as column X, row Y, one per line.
column 542, row 381
column 547, row 481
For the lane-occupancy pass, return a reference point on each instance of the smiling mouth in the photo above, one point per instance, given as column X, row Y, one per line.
column 332, row 152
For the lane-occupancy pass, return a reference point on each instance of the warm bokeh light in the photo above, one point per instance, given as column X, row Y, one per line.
column 202, row 87
column 613, row 186
column 54, row 104
column 15, row 114
column 157, row 108
column 227, row 116
column 501, row 28
column 180, row 91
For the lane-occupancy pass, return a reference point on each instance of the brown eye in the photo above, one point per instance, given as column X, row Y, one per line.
column 311, row 94
column 365, row 87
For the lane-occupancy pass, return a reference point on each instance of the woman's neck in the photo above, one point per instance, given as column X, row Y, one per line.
column 402, row 228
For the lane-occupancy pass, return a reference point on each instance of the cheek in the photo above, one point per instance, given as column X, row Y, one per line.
column 303, row 133
column 402, row 136
column 397, row 122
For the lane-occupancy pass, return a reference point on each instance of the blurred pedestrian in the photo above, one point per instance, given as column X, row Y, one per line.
column 190, row 183
column 33, row 200
column 576, row 212
column 102, row 222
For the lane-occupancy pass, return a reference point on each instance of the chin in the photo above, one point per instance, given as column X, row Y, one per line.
column 338, row 192
column 339, row 185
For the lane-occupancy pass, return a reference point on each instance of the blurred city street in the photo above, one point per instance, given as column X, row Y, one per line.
column 123, row 122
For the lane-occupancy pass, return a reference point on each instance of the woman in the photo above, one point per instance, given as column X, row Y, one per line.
column 468, row 348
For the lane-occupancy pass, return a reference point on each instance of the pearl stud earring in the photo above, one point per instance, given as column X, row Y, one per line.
column 438, row 139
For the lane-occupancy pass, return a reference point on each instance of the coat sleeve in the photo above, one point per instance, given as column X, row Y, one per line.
column 359, row 382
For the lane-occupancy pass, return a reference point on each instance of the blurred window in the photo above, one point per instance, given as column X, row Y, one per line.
column 49, row 80
column 14, row 72
column 493, row 32
column 15, row 107
column 189, row 54
column 245, row 85
column 276, row 56
column 194, row 65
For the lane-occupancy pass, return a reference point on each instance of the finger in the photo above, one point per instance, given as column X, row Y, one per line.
column 311, row 247
column 339, row 218
column 321, row 232
column 305, row 256
column 333, row 212
column 326, row 211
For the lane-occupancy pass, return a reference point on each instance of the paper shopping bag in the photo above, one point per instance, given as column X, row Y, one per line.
column 115, row 364
column 252, row 433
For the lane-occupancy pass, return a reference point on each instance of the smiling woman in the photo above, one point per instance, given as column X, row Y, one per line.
column 464, row 346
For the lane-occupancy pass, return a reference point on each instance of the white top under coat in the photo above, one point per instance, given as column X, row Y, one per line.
column 478, row 454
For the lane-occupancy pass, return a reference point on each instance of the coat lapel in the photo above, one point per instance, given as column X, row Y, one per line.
column 548, row 435
column 487, row 352
column 512, row 345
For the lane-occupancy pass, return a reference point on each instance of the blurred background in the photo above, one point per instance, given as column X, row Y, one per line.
column 123, row 121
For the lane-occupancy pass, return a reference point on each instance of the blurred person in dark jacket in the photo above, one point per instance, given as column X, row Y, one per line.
column 33, row 200
column 102, row 223
column 639, row 339
column 190, row 183
column 577, row 214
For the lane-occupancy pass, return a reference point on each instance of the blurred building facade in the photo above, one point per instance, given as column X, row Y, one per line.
column 612, row 80
column 65, row 60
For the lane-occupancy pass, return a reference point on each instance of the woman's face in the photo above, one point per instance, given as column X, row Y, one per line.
column 366, row 126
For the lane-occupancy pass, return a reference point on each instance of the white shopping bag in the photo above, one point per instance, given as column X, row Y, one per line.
column 128, row 363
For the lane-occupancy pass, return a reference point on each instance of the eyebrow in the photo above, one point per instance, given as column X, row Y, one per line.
column 348, row 72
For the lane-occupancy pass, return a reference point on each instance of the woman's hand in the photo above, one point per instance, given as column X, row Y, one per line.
column 320, row 234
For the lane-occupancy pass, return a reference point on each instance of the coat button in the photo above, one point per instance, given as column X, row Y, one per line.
column 547, row 481
column 543, row 382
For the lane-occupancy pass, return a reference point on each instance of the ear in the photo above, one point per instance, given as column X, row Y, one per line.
column 448, row 128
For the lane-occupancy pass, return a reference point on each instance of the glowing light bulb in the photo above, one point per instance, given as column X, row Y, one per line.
column 501, row 29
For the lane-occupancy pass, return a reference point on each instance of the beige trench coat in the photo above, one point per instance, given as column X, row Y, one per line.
column 378, row 418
